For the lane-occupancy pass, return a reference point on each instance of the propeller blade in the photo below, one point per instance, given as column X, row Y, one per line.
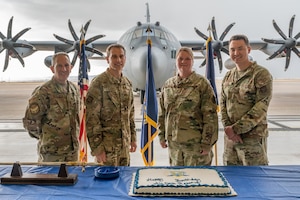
column 94, row 38
column 203, row 63
column 16, row 37
column 63, row 39
column 281, row 49
column 226, row 31
column 2, row 36
column 93, row 50
column 88, row 66
column 218, row 53
column 6, row 61
column 279, row 30
column 86, row 26
column 18, row 56
column 70, row 49
column 74, row 57
column 75, row 37
column 200, row 34
column 296, row 51
column 24, row 46
column 297, row 36
column 273, row 41
column 9, row 27
column 225, row 43
column 291, row 26
column 288, row 58
column 213, row 26
column 225, row 50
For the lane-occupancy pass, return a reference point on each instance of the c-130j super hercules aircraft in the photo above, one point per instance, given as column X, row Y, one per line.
column 164, row 48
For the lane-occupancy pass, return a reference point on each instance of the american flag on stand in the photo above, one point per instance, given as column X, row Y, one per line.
column 83, row 82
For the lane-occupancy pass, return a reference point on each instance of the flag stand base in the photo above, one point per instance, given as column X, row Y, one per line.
column 17, row 177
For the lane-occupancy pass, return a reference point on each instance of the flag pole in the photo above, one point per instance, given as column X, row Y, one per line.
column 83, row 84
column 150, row 110
column 150, row 146
column 148, row 125
column 207, row 58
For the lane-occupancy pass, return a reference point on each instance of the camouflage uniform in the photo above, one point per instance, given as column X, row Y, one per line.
column 188, row 120
column 245, row 98
column 110, row 118
column 52, row 118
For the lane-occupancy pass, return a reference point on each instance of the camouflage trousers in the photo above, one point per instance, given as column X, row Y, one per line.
column 68, row 157
column 187, row 154
column 253, row 151
column 116, row 158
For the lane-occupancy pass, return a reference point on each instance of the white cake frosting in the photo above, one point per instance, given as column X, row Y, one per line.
column 180, row 181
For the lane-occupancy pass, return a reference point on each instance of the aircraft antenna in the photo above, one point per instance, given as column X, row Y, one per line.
column 147, row 13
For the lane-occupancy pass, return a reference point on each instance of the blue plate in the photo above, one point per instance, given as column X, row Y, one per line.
column 107, row 172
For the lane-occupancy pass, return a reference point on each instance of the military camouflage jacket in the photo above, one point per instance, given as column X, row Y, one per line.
column 52, row 117
column 188, row 111
column 110, row 114
column 245, row 99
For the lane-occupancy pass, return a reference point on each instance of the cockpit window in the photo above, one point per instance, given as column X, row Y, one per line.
column 160, row 33
column 143, row 32
column 170, row 36
column 149, row 33
column 137, row 33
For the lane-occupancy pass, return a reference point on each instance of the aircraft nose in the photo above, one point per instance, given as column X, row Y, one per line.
column 138, row 64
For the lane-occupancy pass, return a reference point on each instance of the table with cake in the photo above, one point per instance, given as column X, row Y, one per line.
column 236, row 182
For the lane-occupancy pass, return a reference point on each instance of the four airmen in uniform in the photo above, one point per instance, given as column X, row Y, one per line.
column 188, row 120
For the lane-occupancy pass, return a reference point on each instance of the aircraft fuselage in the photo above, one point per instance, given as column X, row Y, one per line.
column 164, row 48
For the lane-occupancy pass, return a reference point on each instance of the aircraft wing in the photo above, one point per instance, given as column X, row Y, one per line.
column 192, row 43
column 257, row 44
column 102, row 45
column 57, row 45
column 19, row 49
column 200, row 46
column 48, row 45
